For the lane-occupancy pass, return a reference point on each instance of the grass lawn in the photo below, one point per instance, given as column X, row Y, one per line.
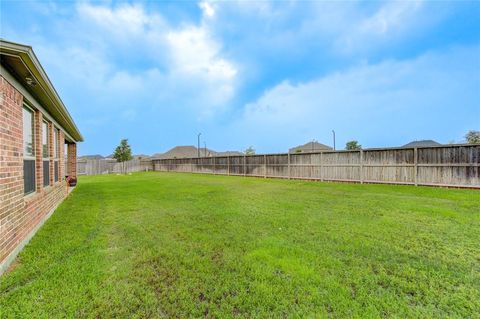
column 181, row 245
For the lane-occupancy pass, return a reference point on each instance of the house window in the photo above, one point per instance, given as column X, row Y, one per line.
column 56, row 156
column 28, row 152
column 46, row 162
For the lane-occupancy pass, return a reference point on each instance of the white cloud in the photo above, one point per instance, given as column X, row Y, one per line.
column 207, row 9
column 349, row 28
column 388, row 99
column 386, row 24
column 195, row 52
column 123, row 20
column 391, row 16
column 185, row 61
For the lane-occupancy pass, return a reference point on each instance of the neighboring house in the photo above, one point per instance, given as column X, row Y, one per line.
column 91, row 157
column 140, row 156
column 192, row 152
column 422, row 143
column 184, row 152
column 310, row 147
column 179, row 152
column 35, row 131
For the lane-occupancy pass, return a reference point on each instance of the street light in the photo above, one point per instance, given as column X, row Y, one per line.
column 198, row 144
column 333, row 139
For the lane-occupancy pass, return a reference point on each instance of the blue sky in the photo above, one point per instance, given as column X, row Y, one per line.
column 268, row 74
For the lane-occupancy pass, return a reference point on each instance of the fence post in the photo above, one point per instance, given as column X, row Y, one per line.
column 361, row 166
column 264, row 166
column 214, row 165
column 321, row 166
column 289, row 170
column 228, row 165
column 415, row 163
column 311, row 166
column 244, row 165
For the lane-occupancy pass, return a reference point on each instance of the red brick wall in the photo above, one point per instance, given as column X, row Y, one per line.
column 61, row 164
column 72, row 160
column 11, row 162
column 20, row 214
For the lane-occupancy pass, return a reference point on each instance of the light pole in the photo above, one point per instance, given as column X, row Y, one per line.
column 333, row 131
column 205, row 149
column 198, row 144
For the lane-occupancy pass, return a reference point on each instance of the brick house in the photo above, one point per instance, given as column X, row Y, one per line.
column 36, row 131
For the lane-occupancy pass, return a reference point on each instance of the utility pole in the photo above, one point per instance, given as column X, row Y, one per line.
column 198, row 144
column 333, row 139
column 205, row 148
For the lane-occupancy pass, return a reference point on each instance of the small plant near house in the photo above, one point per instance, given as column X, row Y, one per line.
column 353, row 145
column 123, row 153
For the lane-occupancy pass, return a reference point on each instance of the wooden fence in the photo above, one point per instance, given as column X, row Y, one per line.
column 107, row 166
column 452, row 165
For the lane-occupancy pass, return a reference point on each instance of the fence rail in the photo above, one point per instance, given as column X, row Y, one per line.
column 452, row 165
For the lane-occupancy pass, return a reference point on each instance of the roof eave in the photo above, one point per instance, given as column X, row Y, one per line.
column 27, row 55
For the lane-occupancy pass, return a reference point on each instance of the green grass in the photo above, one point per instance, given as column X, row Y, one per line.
column 180, row 245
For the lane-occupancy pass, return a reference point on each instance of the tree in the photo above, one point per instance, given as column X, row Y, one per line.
column 123, row 153
column 353, row 145
column 473, row 137
column 250, row 151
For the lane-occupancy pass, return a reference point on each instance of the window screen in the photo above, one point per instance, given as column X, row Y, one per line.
column 45, row 139
column 56, row 171
column 55, row 143
column 29, row 176
column 46, row 173
column 28, row 133
column 28, row 152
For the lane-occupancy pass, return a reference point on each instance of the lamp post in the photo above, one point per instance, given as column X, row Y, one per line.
column 333, row 131
column 198, row 144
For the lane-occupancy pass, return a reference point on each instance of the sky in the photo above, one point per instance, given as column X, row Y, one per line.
column 271, row 75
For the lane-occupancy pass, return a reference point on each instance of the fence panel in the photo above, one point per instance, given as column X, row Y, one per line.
column 395, row 165
column 107, row 166
column 447, row 165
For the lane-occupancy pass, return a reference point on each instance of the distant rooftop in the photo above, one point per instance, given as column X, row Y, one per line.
column 422, row 143
column 310, row 147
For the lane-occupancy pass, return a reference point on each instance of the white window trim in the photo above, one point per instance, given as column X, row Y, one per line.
column 29, row 157
column 48, row 140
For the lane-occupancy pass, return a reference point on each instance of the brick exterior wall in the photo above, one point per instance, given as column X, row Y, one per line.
column 61, row 165
column 72, row 160
column 20, row 214
column 11, row 162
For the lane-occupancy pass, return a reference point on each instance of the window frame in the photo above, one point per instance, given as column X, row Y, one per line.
column 45, row 125
column 32, row 111
column 56, row 156
column 29, row 157
column 46, row 153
